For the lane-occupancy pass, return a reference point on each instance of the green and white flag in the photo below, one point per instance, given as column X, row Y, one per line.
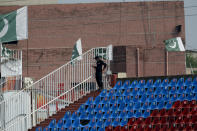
column 14, row 25
column 174, row 44
column 77, row 50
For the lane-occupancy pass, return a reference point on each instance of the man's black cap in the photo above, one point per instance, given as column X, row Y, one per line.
column 96, row 57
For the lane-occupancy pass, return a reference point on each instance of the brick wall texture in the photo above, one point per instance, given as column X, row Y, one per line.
column 53, row 30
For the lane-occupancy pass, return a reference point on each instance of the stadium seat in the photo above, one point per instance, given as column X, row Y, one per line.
column 127, row 99
column 165, row 82
column 191, row 104
column 151, row 98
column 60, row 123
column 131, row 121
column 107, row 115
column 181, row 97
column 114, row 107
column 126, row 84
column 173, row 90
column 135, row 98
column 165, row 90
column 159, row 98
column 176, row 104
column 180, row 82
column 123, row 122
column 185, row 111
column 114, row 114
column 99, row 114
column 90, row 108
column 118, row 92
column 89, row 101
column 194, row 83
column 130, row 113
column 177, row 111
column 123, row 114
column 122, row 106
column 82, row 108
column 39, row 129
column 103, row 93
column 189, row 96
column 188, row 89
column 105, row 100
column 170, row 112
column 116, row 122
column 97, row 100
column 74, row 115
column 135, row 83
column 153, row 105
column 94, row 128
column 150, row 91
column 137, row 105
column 129, row 106
column 188, row 81
column 141, row 91
column 46, row 129
column 141, row 83
column 111, row 92
column 154, row 113
column 92, row 122
column 77, row 129
column 195, row 89
column 173, row 82
column 91, row 115
column 168, row 104
column 157, row 83
column 158, row 90
column 173, row 97
column 143, row 98
column 101, row 128
column 68, row 123
column 166, row 97
column 162, row 113
column 52, row 124
column 145, row 106
column 108, row 122
column 126, row 92
column 61, row 129
column 146, row 113
column 99, row 122
column 105, row 107
column 83, row 115
column 137, row 113
column 181, row 89
column 76, row 123
column 160, row 105
column 134, row 91
column 112, row 100
column 120, row 100
column 149, row 83
column 118, row 85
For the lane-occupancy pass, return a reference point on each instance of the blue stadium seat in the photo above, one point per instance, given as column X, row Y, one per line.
column 111, row 92
column 151, row 98
column 149, row 83
column 134, row 91
column 160, row 105
column 129, row 106
column 157, row 83
column 68, row 123
column 159, row 98
column 173, row 90
column 122, row 106
column 135, row 83
column 123, row 122
column 90, row 108
column 180, row 82
column 173, row 97
column 158, row 90
column 108, row 122
column 126, row 85
column 194, row 83
column 166, row 97
column 127, row 99
column 137, row 105
column 77, row 129
column 39, row 129
column 89, row 101
column 106, row 115
column 143, row 98
column 123, row 114
column 145, row 105
column 83, row 115
column 92, row 122
column 82, row 108
column 165, row 82
column 101, row 128
column 74, row 115
column 165, row 90
column 52, row 124
column 112, row 100
column 114, row 107
column 120, row 100
column 118, row 85
column 173, row 82
column 130, row 113
column 168, row 105
column 60, row 123
column 135, row 98
column 146, row 113
column 141, row 91
column 61, row 129
column 195, row 89
column 99, row 122
column 86, row 128
column 99, row 114
column 118, row 92
column 181, row 97
column 181, row 89
column 106, row 107
column 103, row 93
column 76, row 123
column 188, row 89
column 114, row 114
column 188, row 81
column 153, row 105
column 46, row 129
column 190, row 96
column 141, row 83
column 116, row 122
column 137, row 114
column 94, row 128
column 126, row 92
column 105, row 100
column 97, row 100
column 91, row 115
column 150, row 91
column 195, row 97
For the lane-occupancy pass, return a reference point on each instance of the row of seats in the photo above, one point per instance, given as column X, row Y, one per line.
column 157, row 83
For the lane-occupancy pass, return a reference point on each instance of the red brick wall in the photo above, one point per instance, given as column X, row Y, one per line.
column 53, row 30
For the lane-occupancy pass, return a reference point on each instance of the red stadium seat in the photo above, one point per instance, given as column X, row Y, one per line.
column 109, row 128
column 139, row 121
column 162, row 112
column 193, row 111
column 154, row 113
column 184, row 104
column 176, row 104
column 185, row 111
column 192, row 104
column 155, row 120
column 170, row 112
column 178, row 120
column 180, row 126
column 147, row 121
column 124, row 128
column 131, row 122
column 178, row 112
column 188, row 127
column 117, row 128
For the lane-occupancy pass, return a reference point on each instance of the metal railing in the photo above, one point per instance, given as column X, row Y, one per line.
column 53, row 92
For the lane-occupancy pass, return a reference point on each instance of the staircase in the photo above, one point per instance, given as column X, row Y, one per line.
column 68, row 86
column 72, row 107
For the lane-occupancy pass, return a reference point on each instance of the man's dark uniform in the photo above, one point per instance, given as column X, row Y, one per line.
column 99, row 68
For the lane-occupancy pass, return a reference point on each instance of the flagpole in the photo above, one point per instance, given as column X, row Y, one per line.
column 166, row 63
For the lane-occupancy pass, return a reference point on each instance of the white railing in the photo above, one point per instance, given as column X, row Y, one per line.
column 53, row 92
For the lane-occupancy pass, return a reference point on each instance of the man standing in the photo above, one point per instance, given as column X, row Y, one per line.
column 100, row 67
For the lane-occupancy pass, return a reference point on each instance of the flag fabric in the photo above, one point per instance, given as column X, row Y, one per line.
column 6, row 53
column 77, row 50
column 14, row 25
column 174, row 44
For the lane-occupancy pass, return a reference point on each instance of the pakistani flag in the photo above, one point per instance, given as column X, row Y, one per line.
column 174, row 44
column 13, row 26
column 77, row 51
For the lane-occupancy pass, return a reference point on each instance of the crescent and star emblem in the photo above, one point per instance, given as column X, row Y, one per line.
column 174, row 45
column 5, row 28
